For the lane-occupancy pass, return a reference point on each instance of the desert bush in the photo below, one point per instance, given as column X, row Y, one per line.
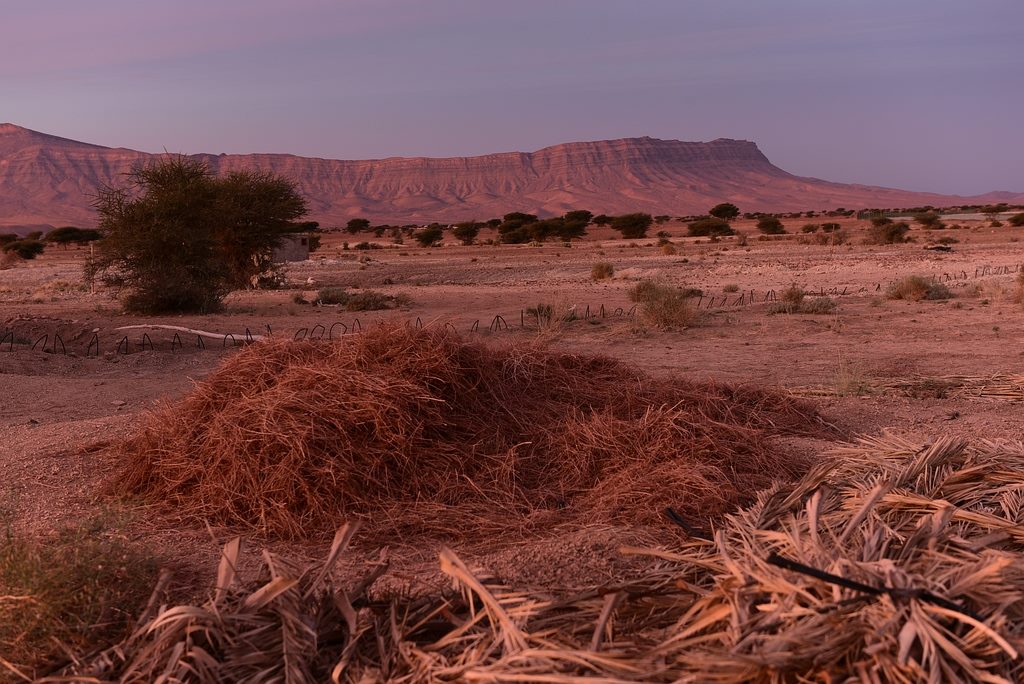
column 331, row 295
column 7, row 238
column 632, row 225
column 178, row 238
column 70, row 234
column 794, row 300
column 668, row 249
column 1016, row 220
column 357, row 225
column 78, row 589
column 429, row 236
column 24, row 249
column 602, row 270
column 916, row 288
column 929, row 220
column 887, row 233
column 665, row 306
column 466, row 231
column 830, row 227
column 725, row 211
column 731, row 287
column 810, row 228
column 769, row 225
column 708, row 227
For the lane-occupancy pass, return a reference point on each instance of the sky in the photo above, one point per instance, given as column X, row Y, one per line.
column 917, row 94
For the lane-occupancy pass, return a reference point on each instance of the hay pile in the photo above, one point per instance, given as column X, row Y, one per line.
column 932, row 535
column 419, row 430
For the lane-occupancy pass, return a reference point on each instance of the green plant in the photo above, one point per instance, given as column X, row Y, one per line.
column 929, row 220
column 429, row 236
column 69, row 234
column 78, row 589
column 24, row 249
column 709, row 227
column 769, row 225
column 178, row 238
column 602, row 270
column 357, row 225
column 916, row 288
column 810, row 228
column 1016, row 220
column 725, row 211
column 632, row 225
column 467, row 231
column 887, row 233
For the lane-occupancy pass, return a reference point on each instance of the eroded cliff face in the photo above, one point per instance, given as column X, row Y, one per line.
column 45, row 179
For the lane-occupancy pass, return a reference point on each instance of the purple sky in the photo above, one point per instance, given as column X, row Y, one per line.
column 917, row 94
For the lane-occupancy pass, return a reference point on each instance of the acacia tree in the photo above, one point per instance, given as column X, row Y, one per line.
column 726, row 211
column 177, row 238
column 632, row 225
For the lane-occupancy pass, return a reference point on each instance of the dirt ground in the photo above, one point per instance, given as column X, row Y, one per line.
column 59, row 409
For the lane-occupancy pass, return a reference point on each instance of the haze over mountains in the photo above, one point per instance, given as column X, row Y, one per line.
column 47, row 180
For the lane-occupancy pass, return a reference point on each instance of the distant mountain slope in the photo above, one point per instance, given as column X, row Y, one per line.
column 45, row 179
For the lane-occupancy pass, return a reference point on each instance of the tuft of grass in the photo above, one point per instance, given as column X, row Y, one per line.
column 665, row 306
column 602, row 270
column 78, row 590
column 795, row 301
column 916, row 288
column 731, row 287
column 668, row 249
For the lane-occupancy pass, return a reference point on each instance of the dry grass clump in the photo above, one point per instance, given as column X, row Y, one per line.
column 668, row 249
column 418, row 430
column 795, row 301
column 602, row 270
column 916, row 288
column 890, row 562
column 80, row 588
column 835, row 237
column 665, row 306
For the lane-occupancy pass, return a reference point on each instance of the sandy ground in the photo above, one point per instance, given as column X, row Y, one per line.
column 58, row 410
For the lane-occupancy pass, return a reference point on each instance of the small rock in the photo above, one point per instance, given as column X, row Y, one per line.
column 118, row 403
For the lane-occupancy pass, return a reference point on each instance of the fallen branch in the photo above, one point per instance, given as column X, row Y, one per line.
column 201, row 333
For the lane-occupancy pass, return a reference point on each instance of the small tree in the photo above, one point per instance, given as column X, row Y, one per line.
column 26, row 249
column 725, row 211
column 513, row 228
column 709, row 227
column 632, row 225
column 357, row 225
column 769, row 225
column 466, row 231
column 601, row 220
column 429, row 236
column 179, row 239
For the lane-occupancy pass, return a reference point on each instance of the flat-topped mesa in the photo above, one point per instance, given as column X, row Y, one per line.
column 45, row 179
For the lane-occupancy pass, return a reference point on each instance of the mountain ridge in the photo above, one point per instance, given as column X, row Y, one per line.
column 47, row 179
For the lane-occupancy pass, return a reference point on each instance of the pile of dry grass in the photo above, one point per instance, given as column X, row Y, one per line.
column 889, row 563
column 421, row 430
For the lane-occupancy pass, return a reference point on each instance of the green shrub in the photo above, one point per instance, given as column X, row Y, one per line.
column 709, row 227
column 810, row 228
column 916, row 288
column 25, row 249
column 887, row 233
column 769, row 225
column 429, row 236
column 1016, row 220
column 331, row 295
column 830, row 227
column 632, row 226
column 78, row 590
column 725, row 211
